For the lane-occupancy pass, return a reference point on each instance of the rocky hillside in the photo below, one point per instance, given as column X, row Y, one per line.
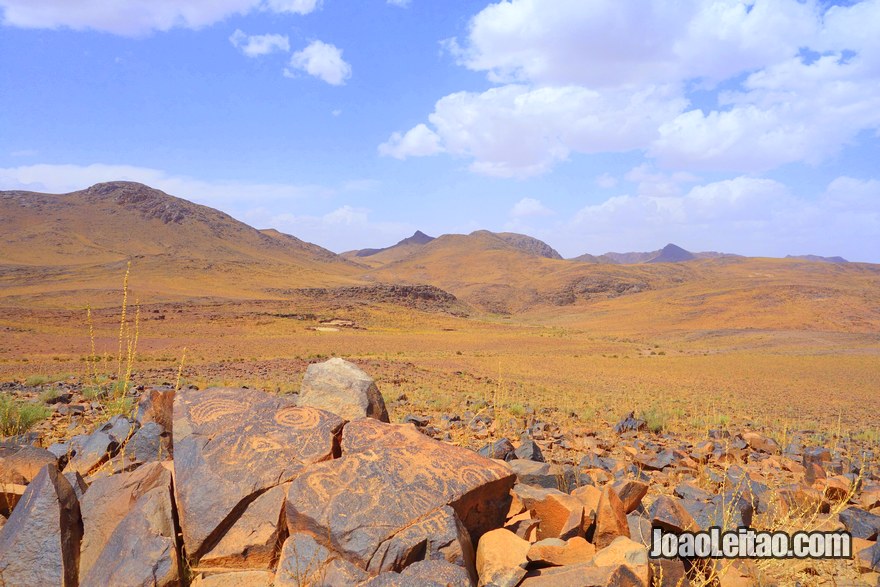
column 226, row 486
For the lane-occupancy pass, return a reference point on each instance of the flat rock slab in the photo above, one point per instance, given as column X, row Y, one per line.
column 39, row 544
column 109, row 501
column 423, row 574
column 230, row 446
column 342, row 388
column 21, row 464
column 391, row 478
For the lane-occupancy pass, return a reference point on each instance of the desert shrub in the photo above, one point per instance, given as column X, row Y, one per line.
column 17, row 417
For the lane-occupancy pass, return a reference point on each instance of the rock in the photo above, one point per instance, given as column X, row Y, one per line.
column 760, row 443
column 39, row 544
column 630, row 424
column 668, row 573
column 109, row 501
column 10, row 495
column 142, row 550
column 836, row 488
column 342, row 388
column 119, row 429
column 561, row 514
column 368, row 502
column 610, row 519
column 860, row 524
column 500, row 449
column 230, row 446
column 727, row 511
column 870, row 497
column 156, row 406
column 235, row 579
column 555, row 552
column 502, row 557
column 97, row 448
column 655, row 462
column 78, row 483
column 541, row 474
column 529, row 450
column 687, row 490
column 623, row 551
column 868, row 559
column 670, row 515
column 417, row 421
column 631, row 492
column 423, row 574
column 149, row 443
column 20, row 464
column 304, row 561
column 639, row 528
column 799, row 500
column 816, row 454
column 524, row 526
column 583, row 575
column 255, row 538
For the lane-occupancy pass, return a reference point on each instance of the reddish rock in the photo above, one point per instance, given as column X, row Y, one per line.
column 589, row 496
column 423, row 574
column 384, row 496
column 21, row 464
column 610, row 519
column 623, row 551
column 760, row 443
column 583, row 575
column 668, row 573
column 304, row 561
column 342, row 388
column 10, row 495
column 39, row 544
column 631, row 492
column 561, row 514
column 501, row 558
column 235, row 579
column 555, row 552
column 230, row 446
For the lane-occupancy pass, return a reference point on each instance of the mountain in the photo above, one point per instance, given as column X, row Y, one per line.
column 83, row 239
column 817, row 258
column 418, row 238
column 672, row 254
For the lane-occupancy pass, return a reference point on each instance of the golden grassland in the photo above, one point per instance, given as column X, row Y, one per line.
column 776, row 379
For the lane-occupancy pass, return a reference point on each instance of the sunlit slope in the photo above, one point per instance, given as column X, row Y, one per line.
column 82, row 240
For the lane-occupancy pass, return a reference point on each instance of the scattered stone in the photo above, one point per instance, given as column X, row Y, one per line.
column 669, row 514
column 655, row 462
column 610, row 519
column 548, row 475
column 417, row 421
column 366, row 503
column 231, row 445
column 39, row 544
column 623, row 551
column 668, row 573
column 342, row 388
column 859, row 523
column 556, row 552
column 687, row 490
column 500, row 449
column 502, row 557
column 529, row 450
column 631, row 492
column 760, row 443
column 630, row 424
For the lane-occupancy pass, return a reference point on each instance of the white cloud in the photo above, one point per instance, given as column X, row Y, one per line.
column 606, row 181
column 529, row 207
column 256, row 45
column 744, row 215
column 418, row 141
column 138, row 17
column 322, row 60
column 780, row 81
column 401, row 3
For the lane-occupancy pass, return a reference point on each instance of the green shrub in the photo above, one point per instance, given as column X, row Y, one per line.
column 17, row 417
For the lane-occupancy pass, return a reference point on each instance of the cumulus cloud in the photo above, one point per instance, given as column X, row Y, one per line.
column 418, row 141
column 606, row 181
column 529, row 207
column 745, row 215
column 780, row 81
column 256, row 45
column 137, row 17
column 321, row 60
column 401, row 3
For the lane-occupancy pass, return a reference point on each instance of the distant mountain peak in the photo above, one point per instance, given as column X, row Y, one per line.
column 672, row 253
column 418, row 238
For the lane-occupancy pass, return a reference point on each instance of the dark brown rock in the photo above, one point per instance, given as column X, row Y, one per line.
column 669, row 514
column 156, row 405
column 583, row 575
column 231, row 445
column 142, row 550
column 431, row 573
column 109, row 501
column 760, row 443
column 10, row 495
column 389, row 478
column 630, row 424
column 39, row 544
column 561, row 514
column 304, row 561
column 860, row 524
column 342, row 388
column 631, row 492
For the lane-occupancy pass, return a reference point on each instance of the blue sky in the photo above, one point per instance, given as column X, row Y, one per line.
column 750, row 127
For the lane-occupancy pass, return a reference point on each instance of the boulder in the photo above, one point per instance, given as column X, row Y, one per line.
column 631, row 492
column 589, row 496
column 549, row 475
column 142, row 550
column 156, row 405
column 502, row 557
column 760, row 443
column 342, row 388
column 94, row 451
column 10, row 495
column 561, row 515
column 529, row 450
column 235, row 579
column 20, row 464
column 623, row 551
column 555, row 552
column 630, row 424
column 500, row 449
column 39, row 544
column 423, row 574
column 583, row 575
column 230, row 446
column 382, row 503
column 860, row 524
column 610, row 519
